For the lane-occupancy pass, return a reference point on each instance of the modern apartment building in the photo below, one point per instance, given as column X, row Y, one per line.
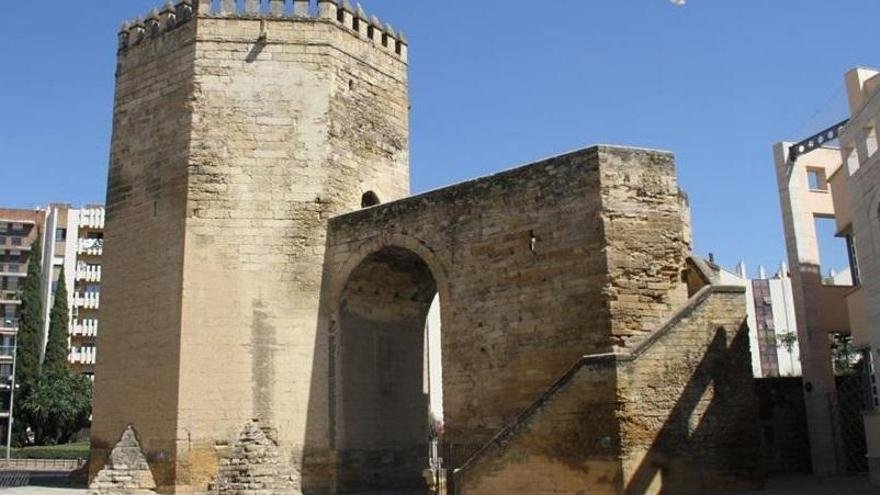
column 838, row 314
column 18, row 231
column 772, row 320
column 72, row 244
column 75, row 243
column 856, row 193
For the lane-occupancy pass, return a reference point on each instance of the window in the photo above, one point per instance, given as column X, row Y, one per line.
column 5, row 371
column 10, row 283
column 17, row 226
column 9, row 317
column 369, row 199
column 816, row 179
column 851, row 159
column 13, row 268
column 16, row 241
column 870, row 142
column 2, row 240
column 834, row 263
column 60, row 235
column 853, row 260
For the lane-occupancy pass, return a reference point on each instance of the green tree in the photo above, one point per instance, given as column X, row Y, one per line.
column 58, row 406
column 57, row 345
column 29, row 339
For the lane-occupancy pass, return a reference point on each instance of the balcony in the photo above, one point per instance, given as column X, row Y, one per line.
column 87, row 300
column 14, row 242
column 7, row 271
column 82, row 355
column 91, row 247
column 10, row 297
column 8, row 325
column 85, row 328
column 89, row 273
column 92, row 218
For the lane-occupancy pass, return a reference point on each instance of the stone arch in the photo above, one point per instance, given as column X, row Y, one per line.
column 370, row 245
column 382, row 418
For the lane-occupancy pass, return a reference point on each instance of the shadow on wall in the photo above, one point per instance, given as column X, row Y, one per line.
column 706, row 444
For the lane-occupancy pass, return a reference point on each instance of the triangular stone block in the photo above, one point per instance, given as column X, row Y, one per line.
column 126, row 472
column 256, row 467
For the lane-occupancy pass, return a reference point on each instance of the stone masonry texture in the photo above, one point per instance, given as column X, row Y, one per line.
column 126, row 472
column 246, row 285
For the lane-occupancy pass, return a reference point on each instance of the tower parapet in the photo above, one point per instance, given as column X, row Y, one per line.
column 340, row 12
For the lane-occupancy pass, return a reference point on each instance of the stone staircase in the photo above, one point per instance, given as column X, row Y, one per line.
column 673, row 414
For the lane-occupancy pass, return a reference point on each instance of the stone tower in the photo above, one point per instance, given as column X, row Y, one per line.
column 239, row 128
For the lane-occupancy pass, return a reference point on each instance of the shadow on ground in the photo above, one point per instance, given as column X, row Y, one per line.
column 807, row 485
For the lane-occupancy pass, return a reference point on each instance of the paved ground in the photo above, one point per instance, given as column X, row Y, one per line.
column 817, row 486
column 792, row 486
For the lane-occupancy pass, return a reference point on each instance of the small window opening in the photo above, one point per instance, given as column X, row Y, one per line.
column 817, row 180
column 371, row 32
column 385, row 39
column 369, row 199
column 853, row 260
column 852, row 160
column 870, row 141
column 399, row 47
column 833, row 255
column 350, row 84
column 340, row 15
column 356, row 24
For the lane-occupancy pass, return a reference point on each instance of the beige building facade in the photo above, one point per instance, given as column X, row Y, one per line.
column 856, row 187
column 841, row 183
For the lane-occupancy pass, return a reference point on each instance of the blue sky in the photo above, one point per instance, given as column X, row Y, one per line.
column 497, row 83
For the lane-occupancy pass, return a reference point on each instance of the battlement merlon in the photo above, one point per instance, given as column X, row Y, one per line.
column 339, row 12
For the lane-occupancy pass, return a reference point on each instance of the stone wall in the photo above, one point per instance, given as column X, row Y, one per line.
column 290, row 132
column 785, row 442
column 521, row 262
column 138, row 366
column 237, row 135
column 688, row 413
column 673, row 415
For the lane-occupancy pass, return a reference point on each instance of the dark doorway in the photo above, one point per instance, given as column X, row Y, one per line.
column 383, row 418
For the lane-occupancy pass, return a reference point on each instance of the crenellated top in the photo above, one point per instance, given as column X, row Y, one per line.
column 156, row 23
column 340, row 12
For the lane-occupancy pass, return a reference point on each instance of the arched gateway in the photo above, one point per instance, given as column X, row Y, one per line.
column 383, row 406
